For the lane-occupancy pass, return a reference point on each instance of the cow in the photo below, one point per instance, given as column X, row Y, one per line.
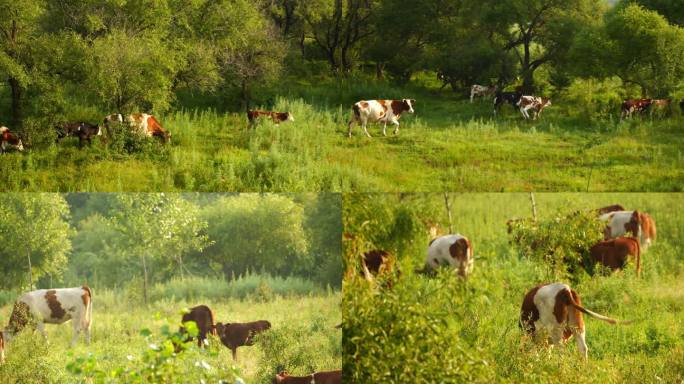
column 9, row 140
column 639, row 224
column 481, row 91
column 148, row 125
column 84, row 131
column 324, row 377
column 204, row 318
column 614, row 253
column 631, row 106
column 53, row 306
column 384, row 111
column 454, row 251
column 609, row 208
column 234, row 335
column 557, row 310
column 536, row 104
column 276, row 117
column 501, row 98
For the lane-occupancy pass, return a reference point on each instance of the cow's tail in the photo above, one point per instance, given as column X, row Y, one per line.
column 571, row 301
column 213, row 323
column 638, row 259
column 89, row 310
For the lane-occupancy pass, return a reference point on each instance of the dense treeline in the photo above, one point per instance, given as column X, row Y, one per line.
column 107, row 240
column 123, row 56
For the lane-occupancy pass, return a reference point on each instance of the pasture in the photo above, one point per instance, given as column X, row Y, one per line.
column 303, row 338
column 449, row 144
column 443, row 330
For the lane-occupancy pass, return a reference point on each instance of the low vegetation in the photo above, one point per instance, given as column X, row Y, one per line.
column 441, row 329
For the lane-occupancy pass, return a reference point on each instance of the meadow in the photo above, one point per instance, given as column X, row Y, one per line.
column 444, row 330
column 303, row 337
column 449, row 144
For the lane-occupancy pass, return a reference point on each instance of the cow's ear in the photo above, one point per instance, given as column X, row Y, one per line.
column 413, row 101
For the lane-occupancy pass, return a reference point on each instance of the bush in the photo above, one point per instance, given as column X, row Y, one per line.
column 561, row 242
column 593, row 99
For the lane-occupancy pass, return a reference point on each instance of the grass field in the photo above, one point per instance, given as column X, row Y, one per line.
column 302, row 340
column 441, row 330
column 448, row 144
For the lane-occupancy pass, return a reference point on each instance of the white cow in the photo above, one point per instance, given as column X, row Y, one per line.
column 53, row 306
column 452, row 250
column 556, row 310
column 481, row 91
column 384, row 111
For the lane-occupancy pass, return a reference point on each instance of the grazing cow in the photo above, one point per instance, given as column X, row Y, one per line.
column 84, row 131
column 557, row 310
column 610, row 208
column 631, row 106
column 536, row 104
column 234, row 335
column 639, row 224
column 148, row 125
column 384, row 111
column 9, row 140
column 452, row 250
column 614, row 253
column 481, row 91
column 501, row 98
column 276, row 117
column 53, row 306
column 325, row 377
column 204, row 318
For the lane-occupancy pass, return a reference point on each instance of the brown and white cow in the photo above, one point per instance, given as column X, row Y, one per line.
column 454, row 251
column 631, row 106
column 556, row 310
column 533, row 103
column 53, row 306
column 384, row 111
column 234, row 335
column 477, row 90
column 148, row 125
column 9, row 140
column 639, row 224
column 614, row 253
column 324, row 377
column 276, row 117
column 204, row 319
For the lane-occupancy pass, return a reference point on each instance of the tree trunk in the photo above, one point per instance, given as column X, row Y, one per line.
column 534, row 206
column 244, row 94
column 144, row 263
column 448, row 209
column 17, row 93
column 379, row 70
column 527, row 72
column 30, row 269
column 180, row 266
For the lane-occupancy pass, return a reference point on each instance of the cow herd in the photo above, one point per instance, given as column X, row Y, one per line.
column 554, row 309
column 56, row 306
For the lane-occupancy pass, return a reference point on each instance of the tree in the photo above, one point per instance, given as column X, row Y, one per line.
column 672, row 10
column 35, row 232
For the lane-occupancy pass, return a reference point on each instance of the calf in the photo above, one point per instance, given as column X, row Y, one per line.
column 52, row 306
column 9, row 140
column 501, row 98
column 557, row 309
column 84, row 131
column 234, row 335
column 639, row 224
column 384, row 111
column 276, row 117
column 632, row 106
column 325, row 377
column 614, row 253
column 454, row 251
column 148, row 125
column 204, row 318
column 481, row 91
column 536, row 104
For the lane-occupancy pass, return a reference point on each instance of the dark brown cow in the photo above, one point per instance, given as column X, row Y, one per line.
column 614, row 253
column 204, row 318
column 276, row 117
column 234, row 335
column 632, row 106
column 84, row 131
column 325, row 377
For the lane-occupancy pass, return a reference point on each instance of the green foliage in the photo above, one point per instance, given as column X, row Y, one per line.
column 561, row 242
column 594, row 99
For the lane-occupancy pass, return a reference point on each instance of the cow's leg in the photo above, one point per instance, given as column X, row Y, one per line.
column 472, row 95
column 384, row 128
column 396, row 126
column 234, row 350
column 524, row 113
column 365, row 128
column 77, row 332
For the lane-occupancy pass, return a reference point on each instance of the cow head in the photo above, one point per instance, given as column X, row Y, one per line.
column 282, row 375
column 408, row 103
column 545, row 102
column 290, row 117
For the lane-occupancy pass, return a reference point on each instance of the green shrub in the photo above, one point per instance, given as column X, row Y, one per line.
column 593, row 99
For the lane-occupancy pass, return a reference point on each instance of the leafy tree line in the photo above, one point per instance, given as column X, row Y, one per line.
column 123, row 56
column 110, row 240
